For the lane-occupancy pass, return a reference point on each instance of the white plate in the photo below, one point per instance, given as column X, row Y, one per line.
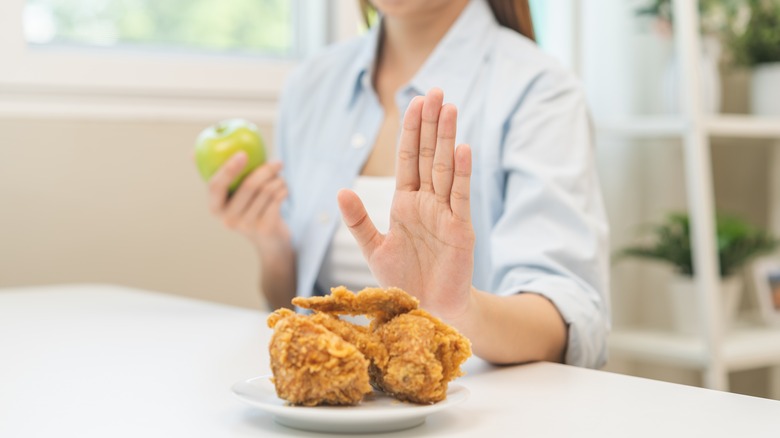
column 377, row 413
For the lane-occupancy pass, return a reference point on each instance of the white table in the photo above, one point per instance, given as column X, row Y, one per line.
column 108, row 361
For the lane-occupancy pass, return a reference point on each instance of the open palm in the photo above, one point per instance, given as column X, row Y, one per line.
column 429, row 249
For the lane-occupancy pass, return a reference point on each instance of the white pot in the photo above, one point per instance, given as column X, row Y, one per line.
column 765, row 91
column 710, row 79
column 685, row 304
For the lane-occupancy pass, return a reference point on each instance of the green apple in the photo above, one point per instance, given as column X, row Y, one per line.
column 217, row 143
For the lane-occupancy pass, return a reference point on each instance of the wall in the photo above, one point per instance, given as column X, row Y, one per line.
column 117, row 202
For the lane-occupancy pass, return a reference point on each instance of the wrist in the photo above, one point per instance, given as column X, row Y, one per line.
column 272, row 251
column 468, row 316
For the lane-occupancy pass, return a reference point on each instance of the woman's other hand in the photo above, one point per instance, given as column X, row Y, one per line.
column 254, row 209
column 429, row 248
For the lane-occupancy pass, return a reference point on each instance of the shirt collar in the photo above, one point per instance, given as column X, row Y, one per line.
column 362, row 68
column 453, row 64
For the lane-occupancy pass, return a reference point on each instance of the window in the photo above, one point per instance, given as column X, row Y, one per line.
column 158, row 59
column 256, row 27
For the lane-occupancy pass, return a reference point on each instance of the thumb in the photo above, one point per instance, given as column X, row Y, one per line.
column 356, row 218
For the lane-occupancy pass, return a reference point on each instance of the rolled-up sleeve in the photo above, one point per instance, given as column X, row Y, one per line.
column 551, row 237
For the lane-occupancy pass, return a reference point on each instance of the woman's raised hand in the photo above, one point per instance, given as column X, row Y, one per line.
column 429, row 249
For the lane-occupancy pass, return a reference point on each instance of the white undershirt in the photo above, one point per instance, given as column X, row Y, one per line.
column 344, row 264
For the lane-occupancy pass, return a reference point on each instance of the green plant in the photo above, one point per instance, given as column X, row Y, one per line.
column 738, row 242
column 755, row 37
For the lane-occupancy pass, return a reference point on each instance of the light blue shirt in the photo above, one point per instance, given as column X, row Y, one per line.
column 536, row 207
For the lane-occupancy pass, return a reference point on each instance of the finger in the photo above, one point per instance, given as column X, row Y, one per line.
column 443, row 159
column 428, row 131
column 360, row 225
column 407, row 171
column 260, row 205
column 248, row 190
column 461, row 184
column 221, row 180
column 276, row 205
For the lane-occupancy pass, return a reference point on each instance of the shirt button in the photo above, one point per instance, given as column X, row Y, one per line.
column 358, row 141
column 324, row 217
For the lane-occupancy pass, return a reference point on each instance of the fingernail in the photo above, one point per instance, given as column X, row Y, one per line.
column 240, row 157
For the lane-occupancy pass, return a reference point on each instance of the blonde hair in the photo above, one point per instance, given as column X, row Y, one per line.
column 513, row 14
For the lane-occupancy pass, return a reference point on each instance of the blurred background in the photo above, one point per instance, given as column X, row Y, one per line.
column 101, row 101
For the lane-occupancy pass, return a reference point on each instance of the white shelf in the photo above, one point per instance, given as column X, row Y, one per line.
column 713, row 352
column 723, row 125
column 744, row 126
column 747, row 346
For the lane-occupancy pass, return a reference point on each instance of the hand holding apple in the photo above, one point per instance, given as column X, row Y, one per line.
column 245, row 192
column 217, row 143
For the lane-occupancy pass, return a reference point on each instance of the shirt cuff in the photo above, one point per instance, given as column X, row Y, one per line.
column 587, row 326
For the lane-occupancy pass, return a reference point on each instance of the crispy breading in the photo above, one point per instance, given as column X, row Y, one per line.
column 406, row 352
column 368, row 342
column 376, row 303
column 425, row 355
column 312, row 365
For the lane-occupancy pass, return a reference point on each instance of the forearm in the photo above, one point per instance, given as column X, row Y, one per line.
column 277, row 275
column 525, row 327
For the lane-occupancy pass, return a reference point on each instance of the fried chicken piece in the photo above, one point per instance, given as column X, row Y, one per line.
column 425, row 354
column 380, row 305
column 366, row 341
column 407, row 352
column 313, row 365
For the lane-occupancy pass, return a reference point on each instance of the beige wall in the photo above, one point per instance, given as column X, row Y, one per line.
column 116, row 202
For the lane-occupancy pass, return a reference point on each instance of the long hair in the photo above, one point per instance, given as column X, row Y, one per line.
column 514, row 14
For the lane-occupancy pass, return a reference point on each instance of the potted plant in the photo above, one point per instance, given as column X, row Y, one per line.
column 670, row 242
column 754, row 42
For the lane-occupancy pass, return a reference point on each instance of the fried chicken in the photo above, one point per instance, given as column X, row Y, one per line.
column 312, row 365
column 424, row 356
column 380, row 305
column 366, row 341
column 406, row 352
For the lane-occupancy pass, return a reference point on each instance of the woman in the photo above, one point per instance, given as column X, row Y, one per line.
column 506, row 240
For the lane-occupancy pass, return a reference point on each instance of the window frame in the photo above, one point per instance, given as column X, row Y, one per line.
column 114, row 83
